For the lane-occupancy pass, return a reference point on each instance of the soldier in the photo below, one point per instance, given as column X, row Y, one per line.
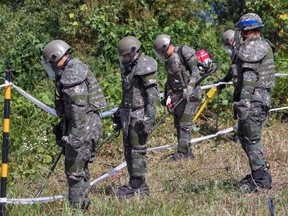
column 78, row 102
column 228, row 44
column 252, row 97
column 136, row 113
column 182, row 74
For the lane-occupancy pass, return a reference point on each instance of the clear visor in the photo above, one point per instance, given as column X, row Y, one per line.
column 159, row 56
column 229, row 49
column 127, row 59
column 49, row 70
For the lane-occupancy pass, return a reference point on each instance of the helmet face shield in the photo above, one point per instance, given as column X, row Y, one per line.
column 161, row 45
column 127, row 59
column 49, row 69
column 159, row 56
column 229, row 49
column 128, row 50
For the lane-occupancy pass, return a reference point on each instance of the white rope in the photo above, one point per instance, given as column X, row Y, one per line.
column 6, row 84
column 280, row 75
column 106, row 175
column 276, row 109
column 31, row 200
column 35, row 101
column 215, row 85
column 122, row 165
column 195, row 140
column 109, row 112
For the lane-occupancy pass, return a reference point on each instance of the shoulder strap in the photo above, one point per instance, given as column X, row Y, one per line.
column 182, row 59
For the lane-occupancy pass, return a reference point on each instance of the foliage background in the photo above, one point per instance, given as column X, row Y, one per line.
column 92, row 28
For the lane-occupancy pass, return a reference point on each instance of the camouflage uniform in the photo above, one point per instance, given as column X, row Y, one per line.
column 80, row 98
column 253, row 98
column 138, row 112
column 179, row 66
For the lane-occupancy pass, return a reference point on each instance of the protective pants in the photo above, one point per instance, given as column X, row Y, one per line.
column 183, row 122
column 250, row 128
column 135, row 147
column 78, row 152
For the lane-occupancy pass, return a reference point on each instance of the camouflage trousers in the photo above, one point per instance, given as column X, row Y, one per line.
column 79, row 148
column 183, row 122
column 135, row 147
column 250, row 128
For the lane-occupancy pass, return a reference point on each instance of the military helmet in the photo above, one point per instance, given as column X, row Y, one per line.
column 55, row 50
column 127, row 45
column 227, row 36
column 128, row 49
column 249, row 21
column 160, row 46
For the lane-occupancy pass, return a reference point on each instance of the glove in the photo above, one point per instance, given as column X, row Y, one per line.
column 147, row 124
column 188, row 92
column 58, row 131
column 116, row 122
column 163, row 102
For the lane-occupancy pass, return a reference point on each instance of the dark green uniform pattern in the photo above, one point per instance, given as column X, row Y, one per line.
column 178, row 78
column 80, row 98
column 256, row 74
column 138, row 111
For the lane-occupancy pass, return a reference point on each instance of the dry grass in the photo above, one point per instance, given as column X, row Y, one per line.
column 203, row 186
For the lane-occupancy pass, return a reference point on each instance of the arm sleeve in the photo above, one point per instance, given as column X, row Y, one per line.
column 194, row 70
column 79, row 104
column 152, row 94
column 249, row 80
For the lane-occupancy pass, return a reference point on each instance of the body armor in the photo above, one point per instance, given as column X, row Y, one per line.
column 257, row 55
column 133, row 85
column 181, row 67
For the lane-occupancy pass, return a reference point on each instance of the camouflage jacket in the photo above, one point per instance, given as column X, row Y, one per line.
column 79, row 93
column 139, row 86
column 255, row 66
column 182, row 70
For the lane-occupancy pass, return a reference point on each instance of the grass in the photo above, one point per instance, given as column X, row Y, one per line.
column 203, row 186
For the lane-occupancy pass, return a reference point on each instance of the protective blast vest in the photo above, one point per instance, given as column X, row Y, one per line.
column 257, row 55
column 134, row 83
column 79, row 91
column 178, row 76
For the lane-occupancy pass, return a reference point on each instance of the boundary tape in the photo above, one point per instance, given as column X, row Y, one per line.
column 106, row 175
column 119, row 167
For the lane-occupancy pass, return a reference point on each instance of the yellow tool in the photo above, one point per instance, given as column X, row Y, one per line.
column 210, row 94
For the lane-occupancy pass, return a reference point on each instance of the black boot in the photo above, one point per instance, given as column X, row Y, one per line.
column 83, row 205
column 180, row 156
column 247, row 184
column 137, row 185
column 260, row 179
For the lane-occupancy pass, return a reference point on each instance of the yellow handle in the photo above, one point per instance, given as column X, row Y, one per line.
column 210, row 94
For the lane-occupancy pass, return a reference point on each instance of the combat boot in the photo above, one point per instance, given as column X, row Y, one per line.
column 136, row 186
column 83, row 205
column 180, row 156
column 260, row 179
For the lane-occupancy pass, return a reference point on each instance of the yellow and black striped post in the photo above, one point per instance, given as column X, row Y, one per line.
column 6, row 130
